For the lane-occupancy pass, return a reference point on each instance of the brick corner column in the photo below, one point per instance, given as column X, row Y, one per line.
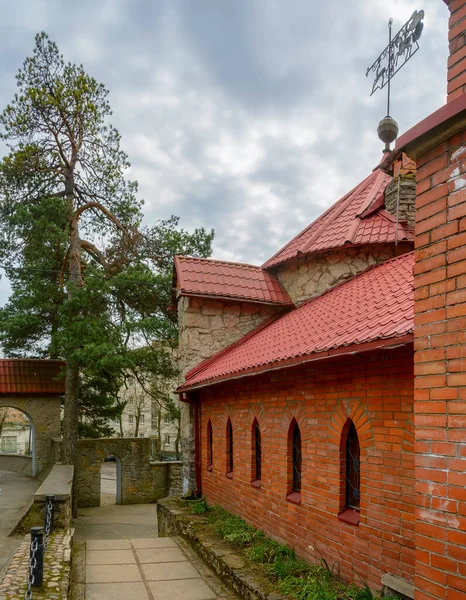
column 440, row 371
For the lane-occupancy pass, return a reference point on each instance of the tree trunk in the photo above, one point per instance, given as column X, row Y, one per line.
column 70, row 414
column 71, row 409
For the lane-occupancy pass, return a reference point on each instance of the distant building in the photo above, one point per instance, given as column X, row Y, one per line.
column 143, row 416
column 15, row 432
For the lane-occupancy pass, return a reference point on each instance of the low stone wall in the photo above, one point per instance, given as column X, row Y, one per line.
column 139, row 481
column 58, row 484
column 57, row 563
column 17, row 463
column 174, row 519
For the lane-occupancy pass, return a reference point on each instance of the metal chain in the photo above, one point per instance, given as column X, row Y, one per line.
column 32, row 566
column 48, row 522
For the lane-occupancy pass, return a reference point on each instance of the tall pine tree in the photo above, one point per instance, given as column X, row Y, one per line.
column 89, row 285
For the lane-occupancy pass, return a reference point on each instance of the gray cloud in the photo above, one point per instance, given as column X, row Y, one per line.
column 248, row 116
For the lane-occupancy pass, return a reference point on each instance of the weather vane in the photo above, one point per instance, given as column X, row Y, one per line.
column 399, row 50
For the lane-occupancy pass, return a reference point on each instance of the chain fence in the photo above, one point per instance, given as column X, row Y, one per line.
column 39, row 543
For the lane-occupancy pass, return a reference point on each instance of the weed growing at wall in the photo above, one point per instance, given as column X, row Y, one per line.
column 295, row 578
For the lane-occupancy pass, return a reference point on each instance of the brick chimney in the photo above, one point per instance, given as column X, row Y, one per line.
column 400, row 193
column 457, row 39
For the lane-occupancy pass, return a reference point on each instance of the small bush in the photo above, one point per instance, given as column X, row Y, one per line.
column 200, row 507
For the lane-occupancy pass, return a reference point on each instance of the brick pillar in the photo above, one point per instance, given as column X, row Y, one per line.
column 440, row 370
column 457, row 39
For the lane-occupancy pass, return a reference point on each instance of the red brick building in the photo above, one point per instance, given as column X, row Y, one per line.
column 308, row 420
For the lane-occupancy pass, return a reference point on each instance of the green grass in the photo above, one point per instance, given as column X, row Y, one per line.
column 294, row 578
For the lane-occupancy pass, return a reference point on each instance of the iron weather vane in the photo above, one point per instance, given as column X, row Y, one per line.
column 399, row 50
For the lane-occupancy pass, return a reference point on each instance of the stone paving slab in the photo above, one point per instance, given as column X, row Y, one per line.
column 169, row 571
column 160, row 569
column 112, row 573
column 160, row 555
column 116, row 591
column 187, row 589
column 110, row 557
column 155, row 542
column 108, row 545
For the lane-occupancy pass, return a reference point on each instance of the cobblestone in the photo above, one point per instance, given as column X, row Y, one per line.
column 56, row 570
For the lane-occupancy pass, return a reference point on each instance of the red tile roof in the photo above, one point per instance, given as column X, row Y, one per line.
column 221, row 279
column 350, row 221
column 31, row 376
column 376, row 305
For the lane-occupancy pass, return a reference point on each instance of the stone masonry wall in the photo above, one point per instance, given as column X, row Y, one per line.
column 207, row 326
column 44, row 412
column 142, row 481
column 407, row 189
column 311, row 276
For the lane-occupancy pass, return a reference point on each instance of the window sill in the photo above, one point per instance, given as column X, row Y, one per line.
column 229, row 475
column 294, row 497
column 256, row 483
column 350, row 516
column 209, row 467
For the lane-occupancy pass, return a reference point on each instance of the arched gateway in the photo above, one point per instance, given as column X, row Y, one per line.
column 34, row 387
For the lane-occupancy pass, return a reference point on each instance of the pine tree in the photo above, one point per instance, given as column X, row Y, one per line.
column 88, row 284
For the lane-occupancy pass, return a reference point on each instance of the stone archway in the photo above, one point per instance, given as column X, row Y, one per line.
column 35, row 388
column 43, row 413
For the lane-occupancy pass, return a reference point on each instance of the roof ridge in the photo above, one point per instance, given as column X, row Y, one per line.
column 219, row 260
column 375, row 179
column 322, row 216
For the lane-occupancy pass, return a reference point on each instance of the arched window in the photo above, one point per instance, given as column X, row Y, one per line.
column 296, row 458
column 229, row 448
column 210, row 454
column 353, row 495
column 256, row 452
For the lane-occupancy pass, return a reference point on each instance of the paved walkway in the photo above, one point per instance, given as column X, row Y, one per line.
column 118, row 556
column 16, row 491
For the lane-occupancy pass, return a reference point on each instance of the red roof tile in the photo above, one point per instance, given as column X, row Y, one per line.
column 346, row 223
column 376, row 305
column 221, row 279
column 31, row 376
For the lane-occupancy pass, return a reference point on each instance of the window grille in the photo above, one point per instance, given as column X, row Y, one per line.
column 258, row 451
column 353, row 495
column 297, row 459
column 229, row 447
column 209, row 444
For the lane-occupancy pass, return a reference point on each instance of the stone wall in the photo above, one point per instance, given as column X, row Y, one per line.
column 311, row 276
column 207, row 326
column 44, row 412
column 58, row 484
column 141, row 481
column 407, row 197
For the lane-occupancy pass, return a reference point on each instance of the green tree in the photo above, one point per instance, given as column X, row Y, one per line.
column 87, row 285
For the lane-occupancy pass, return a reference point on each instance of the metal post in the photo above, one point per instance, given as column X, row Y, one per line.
column 36, row 557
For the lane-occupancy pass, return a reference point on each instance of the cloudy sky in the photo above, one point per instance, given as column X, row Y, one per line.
column 247, row 116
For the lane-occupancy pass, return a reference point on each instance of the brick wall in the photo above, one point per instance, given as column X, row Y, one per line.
column 377, row 392
column 440, row 369
column 457, row 40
